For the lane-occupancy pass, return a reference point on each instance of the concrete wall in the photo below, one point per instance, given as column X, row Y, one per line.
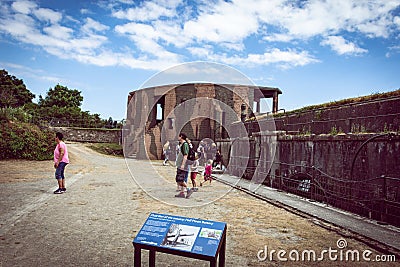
column 334, row 155
column 359, row 173
column 90, row 135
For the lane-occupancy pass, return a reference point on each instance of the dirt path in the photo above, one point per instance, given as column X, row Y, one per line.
column 93, row 224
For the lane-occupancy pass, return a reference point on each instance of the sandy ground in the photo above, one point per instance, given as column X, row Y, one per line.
column 94, row 223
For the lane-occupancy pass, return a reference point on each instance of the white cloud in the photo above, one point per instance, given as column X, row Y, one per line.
column 288, row 57
column 85, row 11
column 92, row 25
column 225, row 22
column 393, row 50
column 282, row 58
column 278, row 37
column 148, row 11
column 201, row 52
column 145, row 38
column 86, row 45
column 327, row 17
column 239, row 46
column 396, row 21
column 19, row 25
column 45, row 14
column 171, row 31
column 24, row 7
column 56, row 39
column 58, row 32
column 126, row 1
column 341, row 46
column 111, row 58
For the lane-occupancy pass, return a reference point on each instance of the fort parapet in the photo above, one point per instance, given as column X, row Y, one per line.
column 344, row 154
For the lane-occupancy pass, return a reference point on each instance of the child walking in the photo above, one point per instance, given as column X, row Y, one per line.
column 194, row 170
column 166, row 152
column 207, row 172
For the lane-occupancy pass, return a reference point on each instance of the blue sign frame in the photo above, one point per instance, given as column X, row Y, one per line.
column 196, row 238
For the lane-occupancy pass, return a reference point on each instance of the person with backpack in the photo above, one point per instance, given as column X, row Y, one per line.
column 182, row 167
column 190, row 159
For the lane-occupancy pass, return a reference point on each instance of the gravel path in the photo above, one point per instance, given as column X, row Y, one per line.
column 93, row 224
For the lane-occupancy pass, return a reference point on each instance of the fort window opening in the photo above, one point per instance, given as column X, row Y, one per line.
column 159, row 116
column 160, row 109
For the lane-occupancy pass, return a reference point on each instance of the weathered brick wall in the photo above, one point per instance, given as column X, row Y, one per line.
column 197, row 128
column 153, row 143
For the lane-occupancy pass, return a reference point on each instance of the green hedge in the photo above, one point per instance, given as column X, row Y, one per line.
column 20, row 140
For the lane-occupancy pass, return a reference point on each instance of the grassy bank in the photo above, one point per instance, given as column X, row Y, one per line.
column 107, row 149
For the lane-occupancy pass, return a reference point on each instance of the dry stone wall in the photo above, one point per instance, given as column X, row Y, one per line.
column 90, row 135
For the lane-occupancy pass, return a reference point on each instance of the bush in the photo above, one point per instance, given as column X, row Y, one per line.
column 20, row 140
column 14, row 114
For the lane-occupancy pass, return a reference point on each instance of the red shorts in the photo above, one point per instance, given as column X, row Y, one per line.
column 193, row 175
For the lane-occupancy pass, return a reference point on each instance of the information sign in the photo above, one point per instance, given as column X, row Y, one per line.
column 182, row 233
column 190, row 237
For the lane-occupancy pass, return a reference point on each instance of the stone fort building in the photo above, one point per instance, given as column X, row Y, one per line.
column 201, row 110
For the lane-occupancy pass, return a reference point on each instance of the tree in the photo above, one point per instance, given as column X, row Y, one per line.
column 62, row 106
column 13, row 92
column 61, row 97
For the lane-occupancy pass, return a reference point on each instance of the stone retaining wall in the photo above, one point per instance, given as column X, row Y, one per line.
column 90, row 135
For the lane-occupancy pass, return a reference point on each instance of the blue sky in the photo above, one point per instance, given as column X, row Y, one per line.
column 314, row 51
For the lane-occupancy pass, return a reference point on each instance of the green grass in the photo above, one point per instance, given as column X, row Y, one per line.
column 112, row 149
column 342, row 102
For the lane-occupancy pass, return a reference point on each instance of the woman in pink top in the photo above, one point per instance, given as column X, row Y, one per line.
column 60, row 161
